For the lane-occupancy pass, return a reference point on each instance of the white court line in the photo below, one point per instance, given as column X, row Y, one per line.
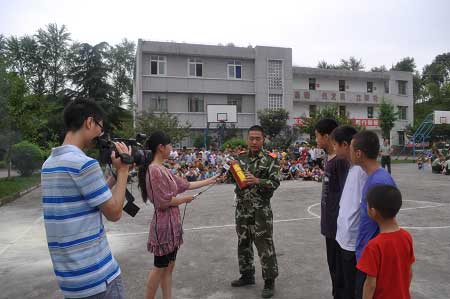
column 21, row 235
column 211, row 227
column 437, row 205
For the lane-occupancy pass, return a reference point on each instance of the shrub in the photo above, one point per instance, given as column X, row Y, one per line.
column 26, row 157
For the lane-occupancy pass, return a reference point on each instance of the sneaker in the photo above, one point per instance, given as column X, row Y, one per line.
column 243, row 281
column 268, row 291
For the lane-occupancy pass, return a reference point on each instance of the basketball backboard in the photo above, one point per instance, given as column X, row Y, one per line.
column 441, row 117
column 222, row 114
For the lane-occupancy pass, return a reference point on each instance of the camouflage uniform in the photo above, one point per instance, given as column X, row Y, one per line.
column 254, row 219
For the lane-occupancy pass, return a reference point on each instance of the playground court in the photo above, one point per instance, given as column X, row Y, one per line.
column 207, row 261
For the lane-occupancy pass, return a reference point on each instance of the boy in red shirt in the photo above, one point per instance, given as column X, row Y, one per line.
column 387, row 259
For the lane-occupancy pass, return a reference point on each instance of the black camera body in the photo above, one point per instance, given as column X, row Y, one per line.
column 139, row 156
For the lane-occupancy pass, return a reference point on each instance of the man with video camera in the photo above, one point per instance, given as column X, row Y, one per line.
column 75, row 195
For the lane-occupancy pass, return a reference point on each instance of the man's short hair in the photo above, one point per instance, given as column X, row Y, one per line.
column 343, row 134
column 367, row 142
column 79, row 110
column 326, row 126
column 257, row 128
column 386, row 199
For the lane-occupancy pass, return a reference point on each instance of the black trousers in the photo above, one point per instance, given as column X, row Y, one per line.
column 331, row 259
column 386, row 161
column 359, row 284
column 345, row 273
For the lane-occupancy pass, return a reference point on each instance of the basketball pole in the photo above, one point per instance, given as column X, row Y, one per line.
column 205, row 136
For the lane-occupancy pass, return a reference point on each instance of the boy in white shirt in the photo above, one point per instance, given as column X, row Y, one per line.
column 348, row 217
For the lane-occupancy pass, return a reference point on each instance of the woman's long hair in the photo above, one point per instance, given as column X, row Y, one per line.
column 151, row 144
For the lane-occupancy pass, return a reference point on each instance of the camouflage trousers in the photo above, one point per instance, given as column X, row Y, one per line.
column 255, row 225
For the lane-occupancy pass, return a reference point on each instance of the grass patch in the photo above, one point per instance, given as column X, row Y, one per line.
column 14, row 185
column 402, row 161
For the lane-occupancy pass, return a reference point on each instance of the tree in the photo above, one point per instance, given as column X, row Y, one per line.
column 379, row 69
column 54, row 50
column 121, row 60
column 352, row 64
column 387, row 116
column 328, row 111
column 149, row 123
column 325, row 65
column 407, row 64
column 273, row 120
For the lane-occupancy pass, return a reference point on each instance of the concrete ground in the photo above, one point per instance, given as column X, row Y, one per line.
column 207, row 261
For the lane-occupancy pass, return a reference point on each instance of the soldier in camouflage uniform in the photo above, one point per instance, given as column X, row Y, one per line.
column 254, row 219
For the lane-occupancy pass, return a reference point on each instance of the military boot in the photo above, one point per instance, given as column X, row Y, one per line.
column 269, row 286
column 245, row 279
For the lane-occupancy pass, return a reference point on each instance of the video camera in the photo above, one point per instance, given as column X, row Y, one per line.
column 139, row 156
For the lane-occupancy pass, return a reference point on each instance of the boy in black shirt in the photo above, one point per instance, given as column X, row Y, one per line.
column 335, row 174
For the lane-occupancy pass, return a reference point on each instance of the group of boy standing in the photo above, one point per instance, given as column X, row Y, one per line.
column 368, row 255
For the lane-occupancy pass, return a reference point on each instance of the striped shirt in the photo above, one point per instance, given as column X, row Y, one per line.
column 73, row 187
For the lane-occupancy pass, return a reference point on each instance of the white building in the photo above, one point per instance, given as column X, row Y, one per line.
column 183, row 79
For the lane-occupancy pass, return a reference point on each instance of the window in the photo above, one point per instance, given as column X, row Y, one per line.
column 275, row 101
column 386, row 86
column 312, row 110
column 401, row 137
column 235, row 100
column 157, row 65
column 275, row 74
column 341, row 110
column 296, row 94
column 402, row 87
column 341, row 85
column 195, row 66
column 196, row 103
column 369, row 86
column 312, row 83
column 369, row 112
column 158, row 103
column 402, row 112
column 234, row 69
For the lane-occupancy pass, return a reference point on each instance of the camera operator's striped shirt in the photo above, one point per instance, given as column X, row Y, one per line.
column 73, row 187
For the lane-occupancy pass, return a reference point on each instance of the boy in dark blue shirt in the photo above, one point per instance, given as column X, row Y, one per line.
column 364, row 150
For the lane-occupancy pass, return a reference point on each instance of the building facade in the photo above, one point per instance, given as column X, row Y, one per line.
column 182, row 79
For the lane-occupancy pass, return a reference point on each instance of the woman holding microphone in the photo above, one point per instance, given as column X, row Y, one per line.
column 161, row 187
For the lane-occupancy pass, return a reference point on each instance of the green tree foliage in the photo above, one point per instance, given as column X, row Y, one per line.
column 328, row 111
column 387, row 116
column 26, row 157
column 53, row 48
column 148, row 123
column 273, row 120
column 352, row 64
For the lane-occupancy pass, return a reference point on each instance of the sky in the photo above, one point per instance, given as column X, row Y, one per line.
column 379, row 32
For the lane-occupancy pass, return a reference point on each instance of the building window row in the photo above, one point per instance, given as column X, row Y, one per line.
column 196, row 103
column 158, row 67
column 313, row 85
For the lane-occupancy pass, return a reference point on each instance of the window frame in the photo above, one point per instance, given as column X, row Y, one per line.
column 314, row 85
column 234, row 64
column 369, row 89
column 339, row 86
column 158, row 61
column 196, row 97
column 232, row 98
column 196, row 61
column 370, row 115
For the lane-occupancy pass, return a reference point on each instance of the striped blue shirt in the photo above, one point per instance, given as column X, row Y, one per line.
column 73, row 187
